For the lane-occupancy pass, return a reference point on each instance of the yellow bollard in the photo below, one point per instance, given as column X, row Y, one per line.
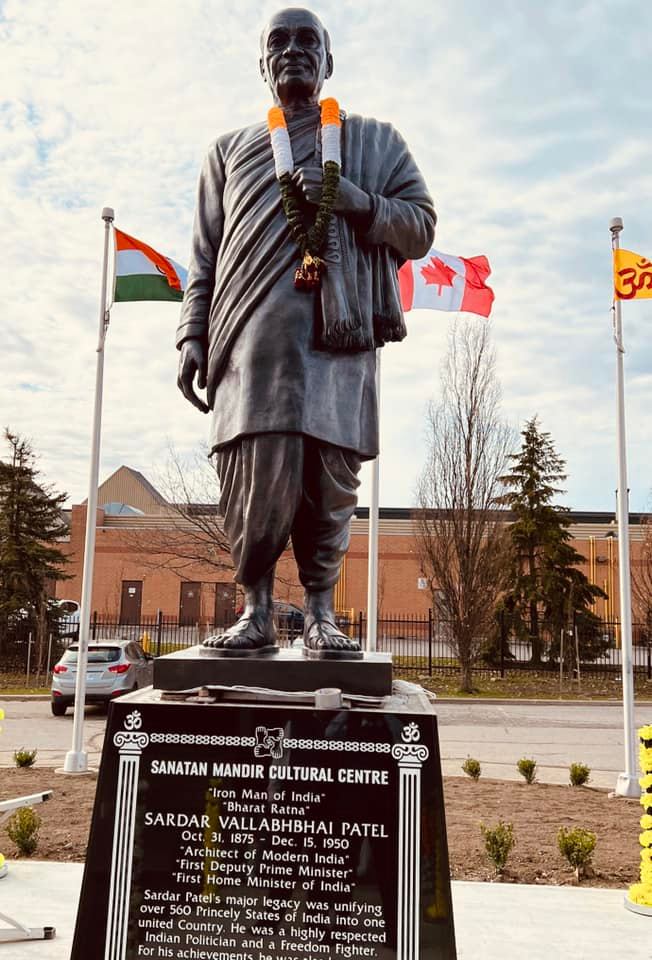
column 639, row 896
column 145, row 642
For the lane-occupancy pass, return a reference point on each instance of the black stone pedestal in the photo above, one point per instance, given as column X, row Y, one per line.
column 286, row 670
column 255, row 832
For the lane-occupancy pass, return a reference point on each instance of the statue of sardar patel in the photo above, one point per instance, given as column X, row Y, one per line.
column 300, row 227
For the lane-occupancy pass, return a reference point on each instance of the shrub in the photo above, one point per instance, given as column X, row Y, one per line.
column 24, row 758
column 23, row 829
column 579, row 774
column 498, row 843
column 472, row 768
column 527, row 769
column 577, row 846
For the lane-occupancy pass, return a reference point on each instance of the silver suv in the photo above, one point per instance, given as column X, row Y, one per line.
column 114, row 667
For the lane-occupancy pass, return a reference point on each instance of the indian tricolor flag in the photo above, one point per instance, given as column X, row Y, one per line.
column 143, row 274
column 440, row 281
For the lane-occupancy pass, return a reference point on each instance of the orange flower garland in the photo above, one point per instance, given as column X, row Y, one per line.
column 311, row 241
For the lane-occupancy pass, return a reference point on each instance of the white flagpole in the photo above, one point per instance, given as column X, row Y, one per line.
column 374, row 511
column 76, row 760
column 627, row 784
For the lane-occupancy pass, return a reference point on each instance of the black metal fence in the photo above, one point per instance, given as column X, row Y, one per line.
column 424, row 644
column 428, row 645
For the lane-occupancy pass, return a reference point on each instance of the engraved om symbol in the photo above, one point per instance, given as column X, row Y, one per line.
column 411, row 733
column 133, row 721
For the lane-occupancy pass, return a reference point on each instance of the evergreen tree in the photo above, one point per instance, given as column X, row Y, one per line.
column 31, row 524
column 546, row 584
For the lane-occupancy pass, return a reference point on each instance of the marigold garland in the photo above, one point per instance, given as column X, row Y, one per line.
column 312, row 241
column 645, row 838
column 641, row 893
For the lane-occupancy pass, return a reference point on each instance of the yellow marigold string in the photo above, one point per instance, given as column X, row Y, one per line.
column 645, row 838
column 641, row 893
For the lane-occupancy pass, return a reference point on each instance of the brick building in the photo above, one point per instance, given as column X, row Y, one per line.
column 133, row 579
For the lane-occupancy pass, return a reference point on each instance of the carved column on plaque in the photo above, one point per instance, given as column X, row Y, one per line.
column 130, row 742
column 411, row 756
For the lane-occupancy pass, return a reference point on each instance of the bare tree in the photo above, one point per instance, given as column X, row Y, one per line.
column 190, row 532
column 382, row 583
column 642, row 581
column 460, row 533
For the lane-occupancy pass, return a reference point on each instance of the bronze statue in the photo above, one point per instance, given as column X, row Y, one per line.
column 292, row 285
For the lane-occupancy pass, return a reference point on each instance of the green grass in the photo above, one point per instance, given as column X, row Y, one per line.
column 18, row 690
column 525, row 685
column 166, row 647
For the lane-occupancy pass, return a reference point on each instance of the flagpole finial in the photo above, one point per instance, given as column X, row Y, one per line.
column 108, row 214
column 616, row 225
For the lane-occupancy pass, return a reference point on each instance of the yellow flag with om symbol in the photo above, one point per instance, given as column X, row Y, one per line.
column 632, row 276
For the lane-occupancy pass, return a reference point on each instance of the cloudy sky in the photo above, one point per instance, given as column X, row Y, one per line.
column 530, row 123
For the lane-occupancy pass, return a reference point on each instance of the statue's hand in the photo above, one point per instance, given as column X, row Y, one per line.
column 191, row 362
column 351, row 200
column 309, row 179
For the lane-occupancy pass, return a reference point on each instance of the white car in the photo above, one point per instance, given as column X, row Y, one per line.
column 115, row 667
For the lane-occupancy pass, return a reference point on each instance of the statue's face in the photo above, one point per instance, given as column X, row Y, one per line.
column 295, row 60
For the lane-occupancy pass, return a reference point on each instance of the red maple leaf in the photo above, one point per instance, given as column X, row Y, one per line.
column 438, row 273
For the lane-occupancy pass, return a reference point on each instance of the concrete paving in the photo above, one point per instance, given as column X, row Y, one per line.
column 554, row 734
column 492, row 921
column 30, row 724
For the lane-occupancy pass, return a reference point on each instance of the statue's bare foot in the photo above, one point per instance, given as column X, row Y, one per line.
column 323, row 640
column 252, row 635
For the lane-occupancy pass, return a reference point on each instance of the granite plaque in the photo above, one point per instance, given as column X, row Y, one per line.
column 245, row 832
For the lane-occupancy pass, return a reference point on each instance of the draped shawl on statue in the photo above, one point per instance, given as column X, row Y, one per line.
column 239, row 213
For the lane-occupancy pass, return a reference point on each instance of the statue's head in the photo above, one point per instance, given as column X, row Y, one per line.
column 295, row 56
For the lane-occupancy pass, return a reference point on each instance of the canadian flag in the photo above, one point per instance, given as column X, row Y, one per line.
column 441, row 282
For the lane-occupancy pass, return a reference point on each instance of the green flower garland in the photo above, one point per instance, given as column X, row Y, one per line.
column 310, row 241
column 313, row 240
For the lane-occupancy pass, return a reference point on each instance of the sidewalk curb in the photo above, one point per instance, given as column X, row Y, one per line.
column 536, row 702
column 490, row 701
